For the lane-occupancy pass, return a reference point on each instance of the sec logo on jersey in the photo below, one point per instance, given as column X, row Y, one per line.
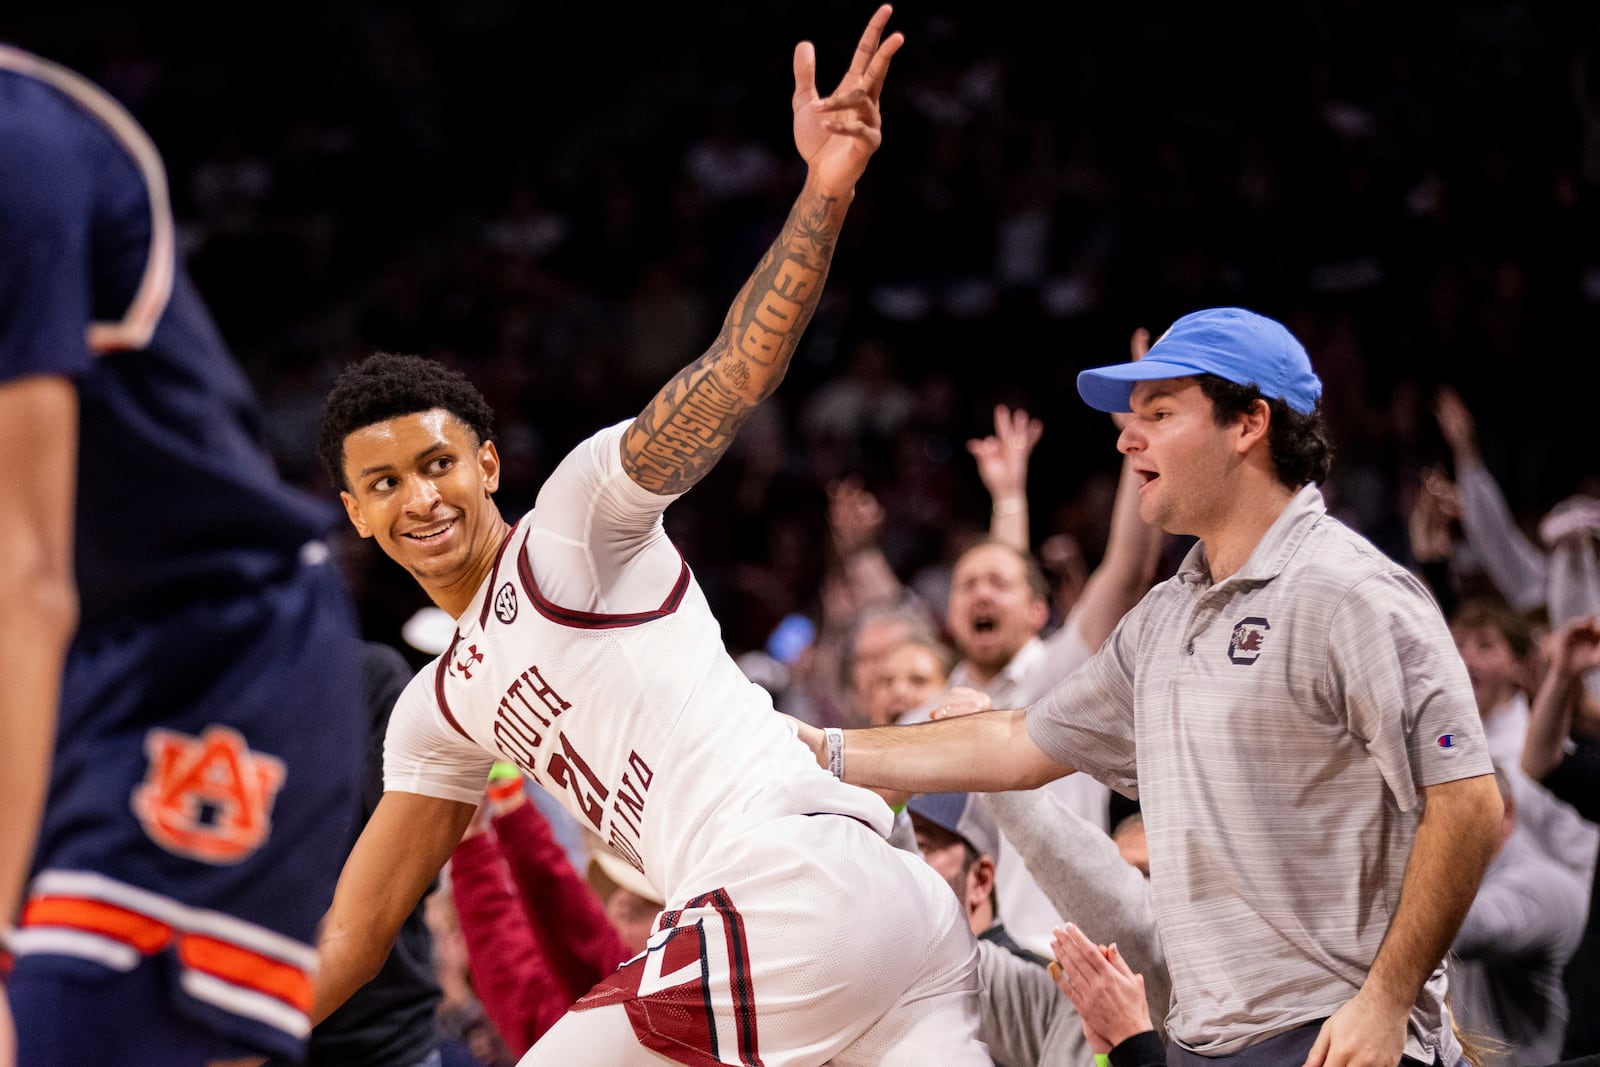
column 505, row 603
column 208, row 798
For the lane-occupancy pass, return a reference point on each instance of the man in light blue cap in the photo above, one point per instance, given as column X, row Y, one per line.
column 1291, row 712
column 1231, row 343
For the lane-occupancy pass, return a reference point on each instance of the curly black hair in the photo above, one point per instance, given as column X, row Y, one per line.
column 1301, row 451
column 385, row 385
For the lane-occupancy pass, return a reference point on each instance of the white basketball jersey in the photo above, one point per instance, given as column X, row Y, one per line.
column 590, row 658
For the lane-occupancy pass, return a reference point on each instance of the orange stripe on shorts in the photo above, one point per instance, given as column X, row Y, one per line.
column 243, row 967
column 108, row 920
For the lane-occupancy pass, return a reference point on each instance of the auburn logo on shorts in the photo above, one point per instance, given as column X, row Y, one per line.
column 209, row 797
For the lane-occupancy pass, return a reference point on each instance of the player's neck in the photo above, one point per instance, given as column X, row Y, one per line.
column 454, row 594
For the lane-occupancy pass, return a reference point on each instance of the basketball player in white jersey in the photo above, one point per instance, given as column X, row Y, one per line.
column 585, row 652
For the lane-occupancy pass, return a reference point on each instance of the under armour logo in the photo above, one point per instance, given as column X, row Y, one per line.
column 464, row 665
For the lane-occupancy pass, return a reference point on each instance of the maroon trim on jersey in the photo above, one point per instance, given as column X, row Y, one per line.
column 680, row 1022
column 494, row 576
column 438, row 687
column 592, row 620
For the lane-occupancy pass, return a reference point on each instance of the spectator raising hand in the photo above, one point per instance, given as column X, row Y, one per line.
column 1456, row 423
column 855, row 518
column 1003, row 468
column 1138, row 345
column 1432, row 517
column 1571, row 651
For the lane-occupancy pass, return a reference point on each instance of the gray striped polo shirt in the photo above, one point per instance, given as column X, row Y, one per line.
column 1276, row 727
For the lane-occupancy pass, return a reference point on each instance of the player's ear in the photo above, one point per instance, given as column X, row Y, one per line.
column 489, row 464
column 353, row 509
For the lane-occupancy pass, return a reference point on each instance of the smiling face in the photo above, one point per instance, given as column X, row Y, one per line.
column 419, row 486
column 1185, row 459
column 993, row 609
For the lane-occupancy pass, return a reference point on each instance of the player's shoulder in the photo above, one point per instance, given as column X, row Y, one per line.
column 64, row 137
column 46, row 108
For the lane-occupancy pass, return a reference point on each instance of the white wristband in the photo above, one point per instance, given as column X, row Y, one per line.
column 835, row 738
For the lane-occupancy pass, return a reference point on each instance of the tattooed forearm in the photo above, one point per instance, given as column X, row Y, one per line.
column 691, row 422
column 684, row 431
column 772, row 310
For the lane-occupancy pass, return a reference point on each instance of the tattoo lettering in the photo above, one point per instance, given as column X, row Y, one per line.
column 680, row 436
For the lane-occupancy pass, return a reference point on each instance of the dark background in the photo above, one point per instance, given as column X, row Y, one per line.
column 510, row 187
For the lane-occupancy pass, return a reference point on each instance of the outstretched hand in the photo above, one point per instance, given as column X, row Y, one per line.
column 1456, row 424
column 855, row 518
column 1003, row 455
column 959, row 701
column 1574, row 649
column 1429, row 524
column 837, row 134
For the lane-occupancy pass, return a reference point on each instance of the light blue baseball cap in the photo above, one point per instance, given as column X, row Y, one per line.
column 1232, row 343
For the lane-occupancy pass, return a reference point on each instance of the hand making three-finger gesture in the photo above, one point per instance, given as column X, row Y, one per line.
column 837, row 134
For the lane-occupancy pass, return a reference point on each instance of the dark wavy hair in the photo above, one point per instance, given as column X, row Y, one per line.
column 385, row 385
column 1298, row 443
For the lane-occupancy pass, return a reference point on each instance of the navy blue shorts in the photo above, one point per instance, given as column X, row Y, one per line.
column 201, row 803
column 65, row 1019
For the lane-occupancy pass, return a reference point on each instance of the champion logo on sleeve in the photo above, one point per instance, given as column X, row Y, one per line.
column 1447, row 742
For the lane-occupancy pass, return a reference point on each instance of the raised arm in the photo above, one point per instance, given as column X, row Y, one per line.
column 1517, row 566
column 1574, row 649
column 1429, row 527
column 1133, row 547
column 855, row 519
column 1003, row 468
column 1571, row 531
column 686, row 428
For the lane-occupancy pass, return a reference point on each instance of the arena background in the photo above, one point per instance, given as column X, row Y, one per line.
column 562, row 198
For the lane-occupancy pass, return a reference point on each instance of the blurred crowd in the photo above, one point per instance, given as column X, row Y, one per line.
column 1410, row 189
column 560, row 201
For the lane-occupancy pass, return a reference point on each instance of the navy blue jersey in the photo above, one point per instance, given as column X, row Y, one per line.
column 176, row 491
column 210, row 731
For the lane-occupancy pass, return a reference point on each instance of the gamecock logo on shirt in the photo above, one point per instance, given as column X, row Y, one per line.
column 1249, row 634
column 208, row 798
